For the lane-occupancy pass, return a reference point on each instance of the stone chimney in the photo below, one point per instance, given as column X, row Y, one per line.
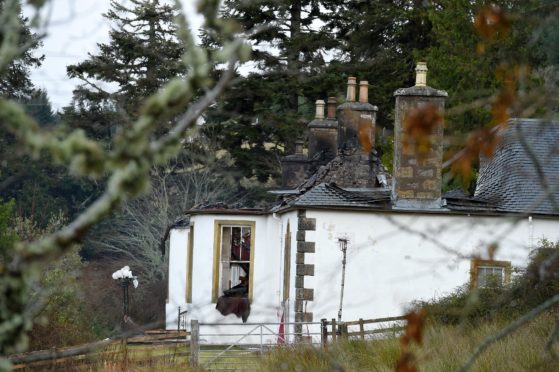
column 356, row 120
column 417, row 179
column 294, row 167
column 323, row 134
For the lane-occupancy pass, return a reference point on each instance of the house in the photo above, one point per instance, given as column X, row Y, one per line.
column 404, row 240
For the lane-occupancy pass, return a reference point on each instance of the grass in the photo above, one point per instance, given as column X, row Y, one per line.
column 445, row 348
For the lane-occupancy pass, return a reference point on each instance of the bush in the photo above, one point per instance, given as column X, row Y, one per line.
column 532, row 286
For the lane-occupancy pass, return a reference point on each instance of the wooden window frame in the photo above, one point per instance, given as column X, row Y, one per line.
column 217, row 254
column 477, row 263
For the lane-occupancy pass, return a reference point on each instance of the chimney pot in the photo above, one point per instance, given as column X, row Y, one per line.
column 351, row 84
column 319, row 109
column 299, row 147
column 332, row 103
column 364, row 91
column 421, row 74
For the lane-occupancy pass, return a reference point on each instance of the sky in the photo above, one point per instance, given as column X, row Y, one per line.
column 74, row 30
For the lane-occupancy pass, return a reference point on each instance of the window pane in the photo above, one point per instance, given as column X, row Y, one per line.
column 236, row 244
column 490, row 276
column 481, row 277
column 245, row 244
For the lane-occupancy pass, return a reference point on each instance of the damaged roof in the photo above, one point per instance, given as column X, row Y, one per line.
column 521, row 177
column 330, row 195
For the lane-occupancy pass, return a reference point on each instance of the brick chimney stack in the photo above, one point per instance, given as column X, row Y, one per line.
column 356, row 119
column 417, row 180
column 323, row 134
column 294, row 167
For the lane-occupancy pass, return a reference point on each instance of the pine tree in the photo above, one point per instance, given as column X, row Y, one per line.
column 380, row 41
column 268, row 109
column 15, row 82
column 143, row 53
column 467, row 66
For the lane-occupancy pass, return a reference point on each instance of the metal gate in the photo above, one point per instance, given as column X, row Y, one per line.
column 238, row 347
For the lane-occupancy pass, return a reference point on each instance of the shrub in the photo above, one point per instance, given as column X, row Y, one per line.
column 532, row 286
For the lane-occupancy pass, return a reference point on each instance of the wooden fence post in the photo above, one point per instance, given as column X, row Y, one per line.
column 361, row 329
column 194, row 342
column 334, row 330
column 343, row 331
column 179, row 322
column 324, row 332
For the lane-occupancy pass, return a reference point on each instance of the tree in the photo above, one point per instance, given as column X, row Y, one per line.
column 467, row 66
column 142, row 55
column 380, row 41
column 127, row 165
column 15, row 82
column 258, row 118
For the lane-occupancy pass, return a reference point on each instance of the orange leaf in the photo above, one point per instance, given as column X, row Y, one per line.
column 419, row 125
column 491, row 22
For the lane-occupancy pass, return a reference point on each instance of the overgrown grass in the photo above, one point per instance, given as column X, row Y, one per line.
column 445, row 348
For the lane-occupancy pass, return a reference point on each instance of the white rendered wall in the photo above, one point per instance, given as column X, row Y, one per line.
column 266, row 303
column 393, row 259
column 396, row 258
column 178, row 244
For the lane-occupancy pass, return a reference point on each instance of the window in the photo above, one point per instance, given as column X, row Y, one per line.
column 489, row 273
column 233, row 258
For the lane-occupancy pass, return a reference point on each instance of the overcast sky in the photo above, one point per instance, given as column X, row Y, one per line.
column 76, row 27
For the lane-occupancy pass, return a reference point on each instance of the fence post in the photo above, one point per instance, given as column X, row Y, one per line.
column 343, row 331
column 179, row 323
column 324, row 332
column 334, row 330
column 361, row 328
column 194, row 342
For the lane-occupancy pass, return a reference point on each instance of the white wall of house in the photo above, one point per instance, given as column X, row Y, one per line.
column 396, row 258
column 393, row 259
column 267, row 277
column 176, row 296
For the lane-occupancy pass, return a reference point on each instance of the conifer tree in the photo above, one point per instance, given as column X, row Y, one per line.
column 15, row 82
column 142, row 54
column 264, row 113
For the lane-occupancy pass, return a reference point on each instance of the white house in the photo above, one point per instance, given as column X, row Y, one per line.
column 404, row 239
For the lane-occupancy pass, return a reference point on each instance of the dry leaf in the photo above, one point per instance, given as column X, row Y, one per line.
column 419, row 126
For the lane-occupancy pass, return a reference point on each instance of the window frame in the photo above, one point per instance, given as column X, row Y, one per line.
column 216, row 277
column 476, row 264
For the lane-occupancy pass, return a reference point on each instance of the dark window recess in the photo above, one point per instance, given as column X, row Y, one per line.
column 235, row 271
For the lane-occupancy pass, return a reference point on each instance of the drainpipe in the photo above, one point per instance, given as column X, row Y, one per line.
column 275, row 217
column 343, row 247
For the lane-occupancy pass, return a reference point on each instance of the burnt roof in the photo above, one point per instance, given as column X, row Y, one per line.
column 326, row 195
column 521, row 177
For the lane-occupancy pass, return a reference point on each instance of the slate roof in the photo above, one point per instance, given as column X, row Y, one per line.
column 523, row 174
column 509, row 182
column 330, row 195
